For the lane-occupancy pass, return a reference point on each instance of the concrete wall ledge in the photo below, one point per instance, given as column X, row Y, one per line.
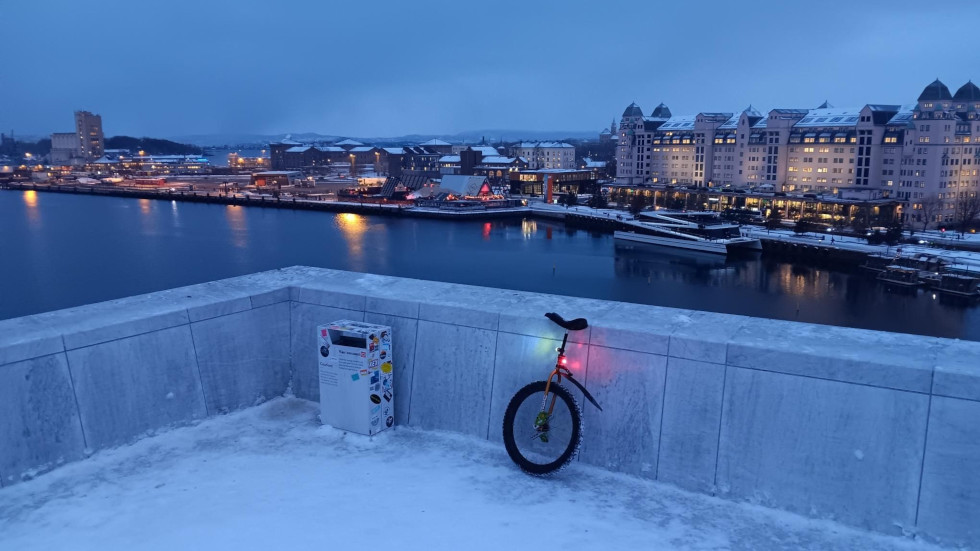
column 873, row 429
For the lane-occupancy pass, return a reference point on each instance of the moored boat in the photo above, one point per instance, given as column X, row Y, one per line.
column 900, row 276
column 698, row 231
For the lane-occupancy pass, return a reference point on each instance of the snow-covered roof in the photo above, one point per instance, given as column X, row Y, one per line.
column 550, row 145
column 435, row 142
column 595, row 164
column 362, row 149
column 349, row 142
column 730, row 124
column 761, row 123
column 330, row 148
column 684, row 122
column 298, row 149
column 394, row 150
column 903, row 117
column 287, row 141
column 449, row 159
column 462, row 185
column 834, row 116
column 498, row 159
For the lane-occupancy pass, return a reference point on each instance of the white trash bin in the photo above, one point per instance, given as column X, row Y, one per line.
column 355, row 372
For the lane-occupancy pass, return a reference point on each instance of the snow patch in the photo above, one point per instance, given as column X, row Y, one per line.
column 263, row 478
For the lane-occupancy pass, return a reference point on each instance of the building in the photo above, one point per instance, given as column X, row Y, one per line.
column 277, row 152
column 486, row 150
column 422, row 161
column 438, row 146
column 65, row 149
column 545, row 154
column 563, row 180
column 8, row 146
column 599, row 168
column 237, row 161
column 275, row 179
column 924, row 154
column 91, row 142
column 150, row 165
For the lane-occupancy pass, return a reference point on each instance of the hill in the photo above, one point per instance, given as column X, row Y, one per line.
column 152, row 146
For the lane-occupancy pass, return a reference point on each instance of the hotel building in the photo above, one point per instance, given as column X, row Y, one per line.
column 920, row 152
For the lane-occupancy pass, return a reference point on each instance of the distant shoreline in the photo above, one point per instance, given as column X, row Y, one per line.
column 278, row 203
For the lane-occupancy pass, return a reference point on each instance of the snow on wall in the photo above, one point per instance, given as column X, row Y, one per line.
column 873, row 429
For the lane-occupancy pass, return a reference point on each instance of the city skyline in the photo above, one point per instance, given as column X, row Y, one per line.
column 250, row 68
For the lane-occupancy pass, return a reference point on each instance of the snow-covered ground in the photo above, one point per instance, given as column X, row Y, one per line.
column 964, row 260
column 271, row 478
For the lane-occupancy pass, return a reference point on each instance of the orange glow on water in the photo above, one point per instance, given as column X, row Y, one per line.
column 235, row 215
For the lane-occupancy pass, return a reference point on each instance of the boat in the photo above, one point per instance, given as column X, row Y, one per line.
column 877, row 262
column 900, row 276
column 698, row 231
column 959, row 285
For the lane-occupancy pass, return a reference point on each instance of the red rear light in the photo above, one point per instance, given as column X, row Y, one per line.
column 562, row 360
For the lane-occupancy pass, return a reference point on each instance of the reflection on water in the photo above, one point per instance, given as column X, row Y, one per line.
column 235, row 215
column 353, row 226
column 506, row 254
column 528, row 228
column 30, row 201
column 147, row 216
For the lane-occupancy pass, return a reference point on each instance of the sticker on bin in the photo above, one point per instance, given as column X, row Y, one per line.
column 355, row 363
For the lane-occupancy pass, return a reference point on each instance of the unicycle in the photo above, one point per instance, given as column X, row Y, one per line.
column 543, row 421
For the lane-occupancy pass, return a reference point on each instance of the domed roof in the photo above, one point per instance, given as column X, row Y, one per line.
column 633, row 111
column 661, row 112
column 937, row 91
column 967, row 92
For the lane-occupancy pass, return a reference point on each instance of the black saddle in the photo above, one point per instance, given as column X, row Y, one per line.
column 576, row 324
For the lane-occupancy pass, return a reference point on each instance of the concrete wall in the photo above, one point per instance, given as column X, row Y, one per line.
column 876, row 430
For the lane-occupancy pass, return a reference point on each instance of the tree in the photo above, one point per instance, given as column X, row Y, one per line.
column 967, row 209
column 677, row 203
column 860, row 221
column 598, row 201
column 893, row 235
column 876, row 238
column 569, row 199
column 931, row 206
column 775, row 219
column 806, row 224
column 637, row 204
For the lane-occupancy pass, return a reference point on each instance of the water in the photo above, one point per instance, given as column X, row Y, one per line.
column 60, row 250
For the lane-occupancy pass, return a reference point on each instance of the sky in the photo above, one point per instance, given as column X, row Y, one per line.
column 390, row 67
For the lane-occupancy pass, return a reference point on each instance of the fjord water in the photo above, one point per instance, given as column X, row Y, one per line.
column 58, row 251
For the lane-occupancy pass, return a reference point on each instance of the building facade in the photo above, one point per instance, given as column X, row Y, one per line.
column 65, row 149
column 91, row 142
column 924, row 154
column 541, row 155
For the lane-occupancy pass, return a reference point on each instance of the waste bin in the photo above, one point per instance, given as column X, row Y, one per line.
column 355, row 372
